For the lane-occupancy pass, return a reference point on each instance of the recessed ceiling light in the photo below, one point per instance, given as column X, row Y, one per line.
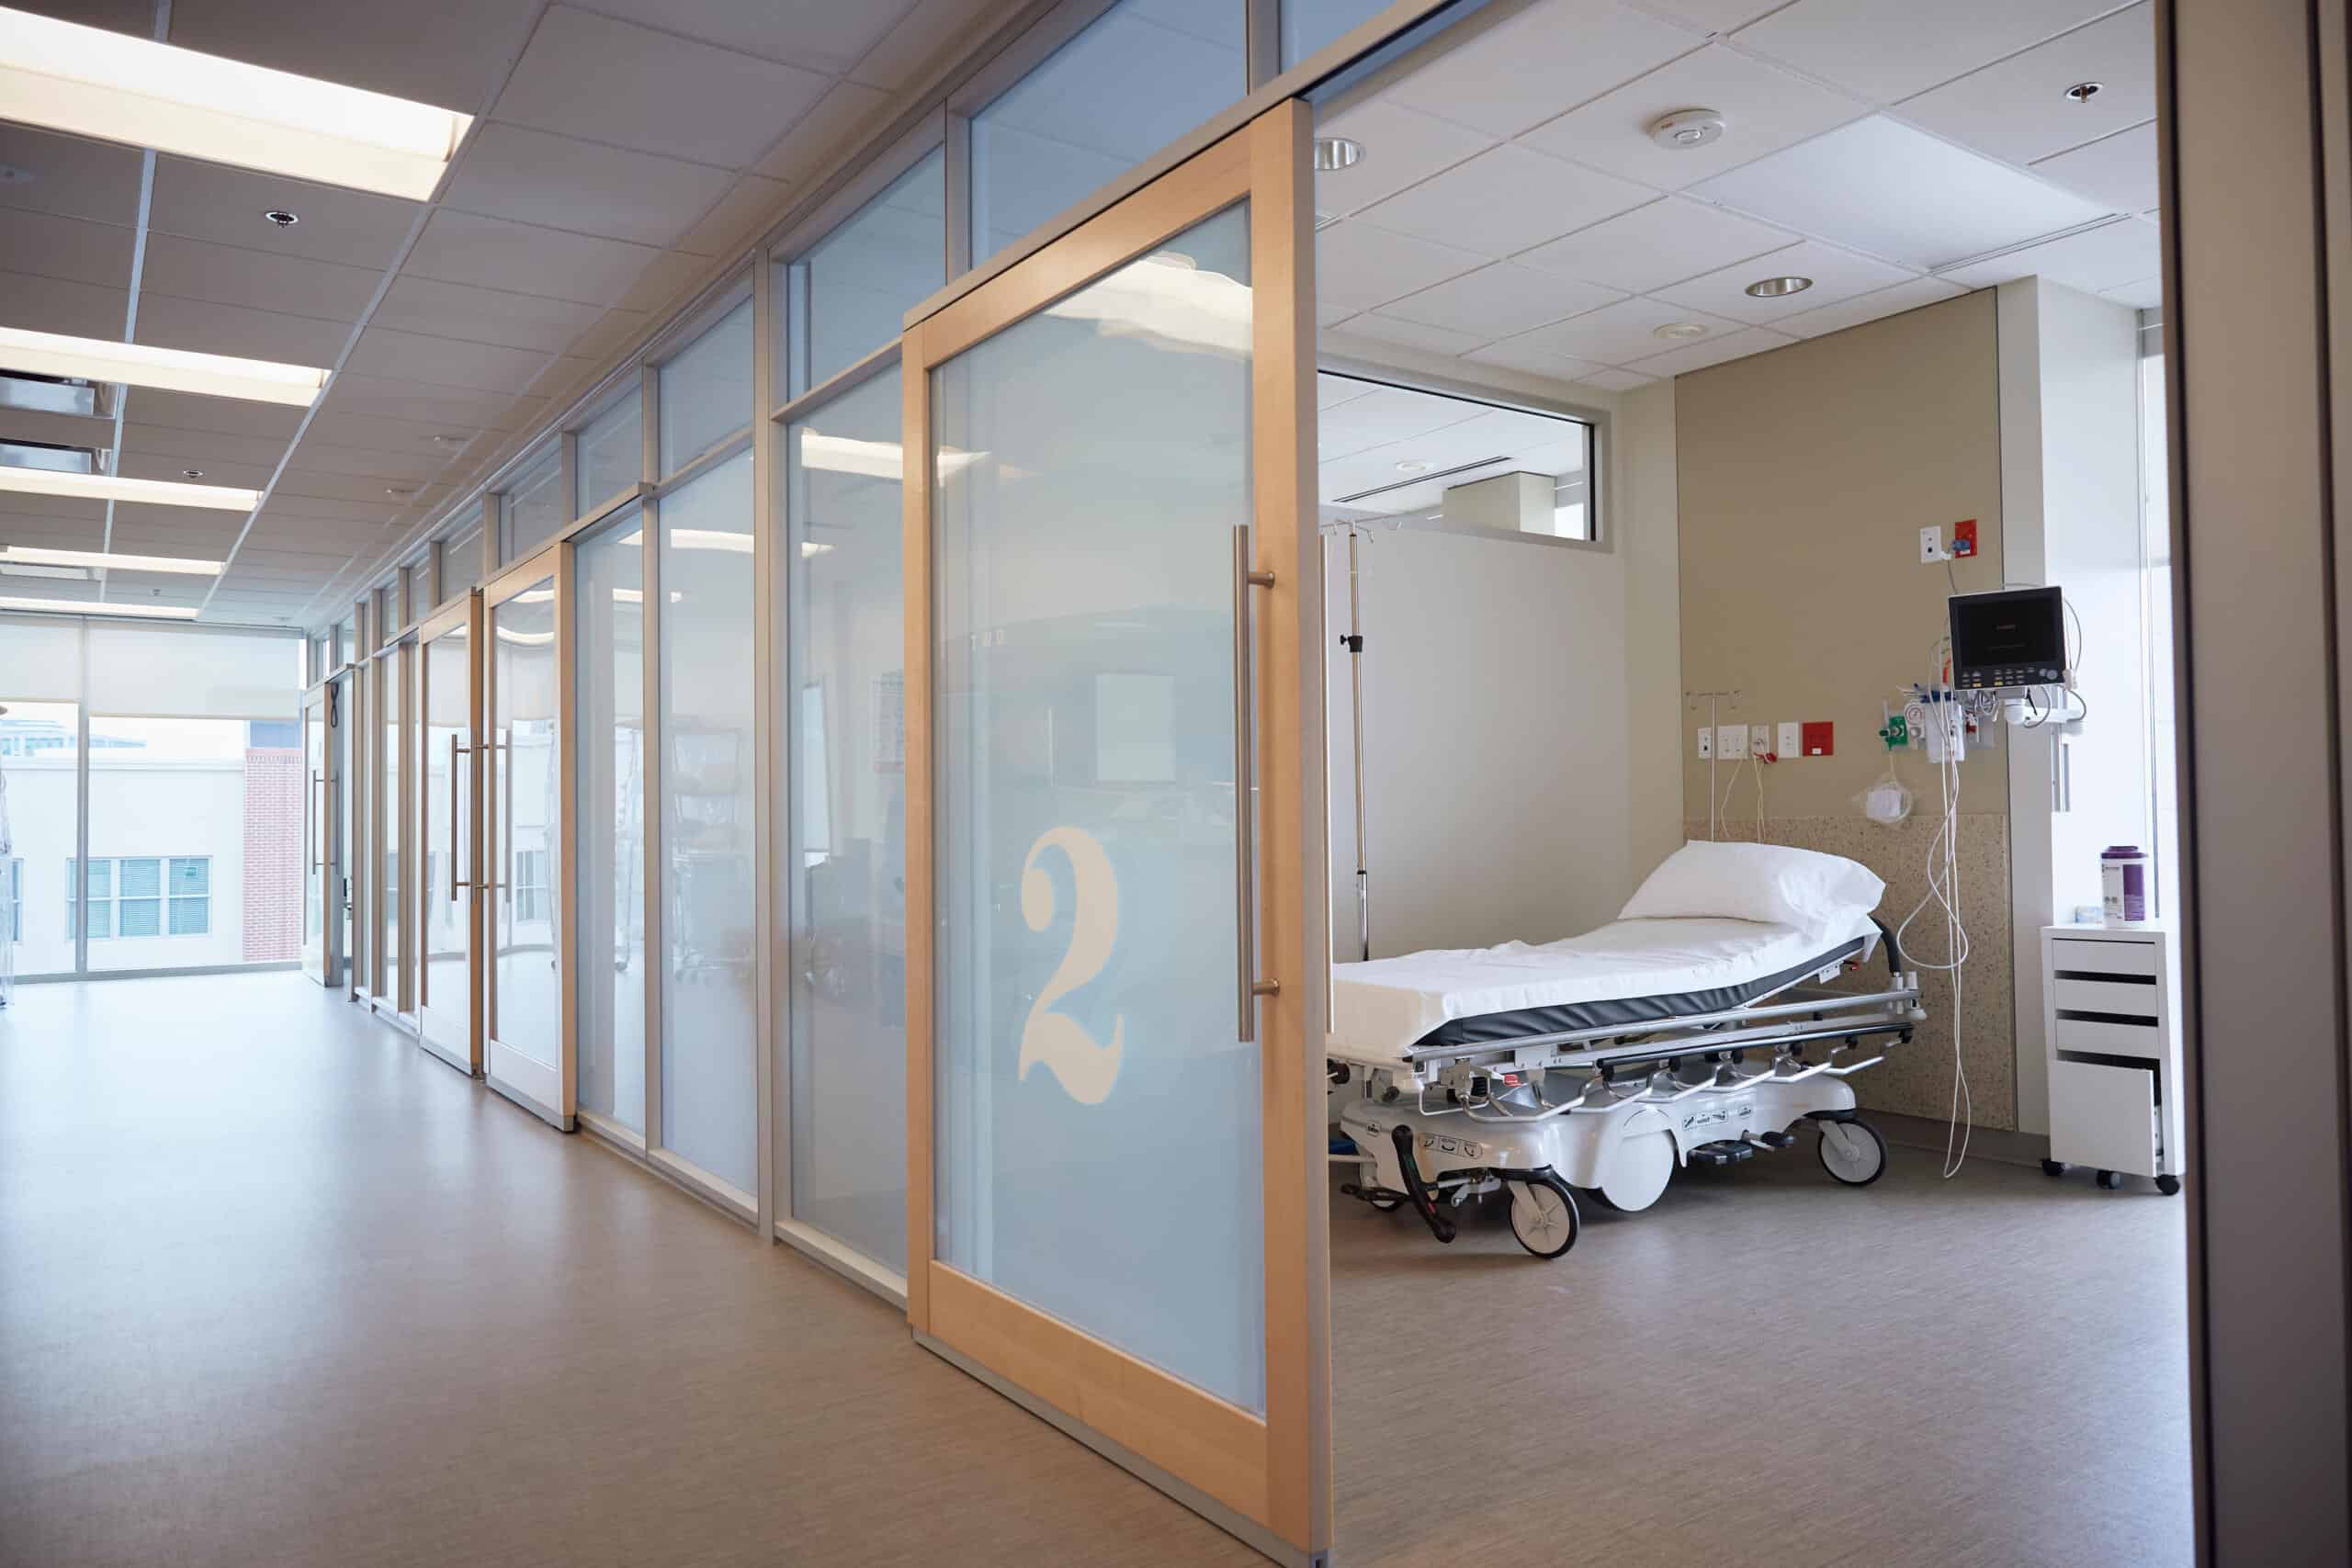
column 10, row 174
column 1333, row 153
column 1686, row 129
column 113, row 487
column 398, row 492
column 91, row 82
column 281, row 217
column 1680, row 330
column 2083, row 92
column 86, row 607
column 449, row 440
column 44, row 555
column 191, row 473
column 170, row 369
column 1410, row 467
column 1775, row 288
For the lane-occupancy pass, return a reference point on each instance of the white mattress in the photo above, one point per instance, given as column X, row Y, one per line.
column 1380, row 1007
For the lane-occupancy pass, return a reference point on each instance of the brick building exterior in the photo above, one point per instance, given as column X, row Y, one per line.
column 273, row 863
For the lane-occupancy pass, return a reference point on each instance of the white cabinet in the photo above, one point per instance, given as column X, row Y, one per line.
column 2110, row 1024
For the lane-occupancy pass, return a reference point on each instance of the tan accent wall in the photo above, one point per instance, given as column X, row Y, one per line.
column 1804, row 477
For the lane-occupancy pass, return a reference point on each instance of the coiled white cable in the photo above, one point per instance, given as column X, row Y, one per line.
column 1943, row 889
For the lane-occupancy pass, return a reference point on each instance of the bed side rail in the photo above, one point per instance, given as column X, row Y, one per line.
column 1894, row 948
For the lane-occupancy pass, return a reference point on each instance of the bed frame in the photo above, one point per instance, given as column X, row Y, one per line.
column 1615, row 1110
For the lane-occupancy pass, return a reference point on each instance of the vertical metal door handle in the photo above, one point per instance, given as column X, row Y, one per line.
column 456, row 882
column 1245, row 786
column 319, row 839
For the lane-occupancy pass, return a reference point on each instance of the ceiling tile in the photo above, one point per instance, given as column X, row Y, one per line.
column 54, row 305
column 483, row 315
column 1504, row 200
column 1401, row 147
column 738, row 217
column 1712, row 16
column 297, row 486
column 821, row 34
column 1713, row 351
column 2146, row 294
column 1328, row 313
column 603, row 341
column 1869, row 307
column 1888, row 50
column 229, row 416
column 2113, row 253
column 448, row 362
column 663, row 279
column 2017, row 108
column 1899, row 193
column 200, row 446
column 1358, row 264
column 70, row 248
column 1386, row 415
column 392, row 468
column 56, row 429
column 1653, row 246
column 933, row 27
column 1553, row 56
column 1837, row 274
column 72, row 178
column 816, row 140
column 448, row 408
column 1403, row 335
column 1764, row 109
column 435, row 52
column 263, row 280
column 215, row 470
column 206, row 201
column 2120, row 172
column 592, row 76
column 1519, row 354
column 1619, row 334
column 1501, row 300
column 534, row 177
column 493, row 253
column 346, row 430
column 1613, row 381
column 205, row 326
column 1331, row 390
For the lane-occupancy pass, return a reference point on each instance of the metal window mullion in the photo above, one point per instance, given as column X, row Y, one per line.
column 958, row 146
column 656, row 956
column 768, row 1083
column 80, row 888
column 1262, row 24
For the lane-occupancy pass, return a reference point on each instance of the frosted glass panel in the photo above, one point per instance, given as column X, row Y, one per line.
column 460, row 565
column 610, row 453
column 849, row 851
column 535, row 507
column 708, row 916
column 609, row 575
column 706, row 390
column 854, row 287
column 1098, row 1143
column 1140, row 75
column 188, row 672
column 524, row 818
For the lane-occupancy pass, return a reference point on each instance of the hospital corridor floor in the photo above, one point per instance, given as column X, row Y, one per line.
column 1984, row 1373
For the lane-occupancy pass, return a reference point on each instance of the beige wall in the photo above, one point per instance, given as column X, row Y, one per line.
column 1804, row 477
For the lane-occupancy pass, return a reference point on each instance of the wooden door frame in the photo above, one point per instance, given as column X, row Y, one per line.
column 466, row 613
column 550, row 564
column 1267, row 1479
column 398, row 999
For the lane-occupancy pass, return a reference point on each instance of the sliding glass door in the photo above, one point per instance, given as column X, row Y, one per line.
column 321, row 923
column 447, row 708
column 1115, row 1175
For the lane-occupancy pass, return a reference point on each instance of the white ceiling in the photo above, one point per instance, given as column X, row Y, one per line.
column 1374, row 436
column 620, row 147
column 1511, row 210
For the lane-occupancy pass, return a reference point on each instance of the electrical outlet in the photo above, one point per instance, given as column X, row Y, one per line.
column 1931, row 544
column 1706, row 743
column 1791, row 741
column 1731, row 742
column 1759, row 741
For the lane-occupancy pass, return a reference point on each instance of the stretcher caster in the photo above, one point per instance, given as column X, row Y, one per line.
column 1852, row 1152
column 2053, row 1167
column 2169, row 1185
column 2109, row 1182
column 1385, row 1205
column 1638, row 1172
column 1543, row 1215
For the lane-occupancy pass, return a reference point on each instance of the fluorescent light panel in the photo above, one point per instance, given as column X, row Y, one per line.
column 91, row 607
column 110, row 86
column 111, row 487
column 41, row 555
column 143, row 364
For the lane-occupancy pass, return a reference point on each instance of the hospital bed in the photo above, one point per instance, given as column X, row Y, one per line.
column 1607, row 1062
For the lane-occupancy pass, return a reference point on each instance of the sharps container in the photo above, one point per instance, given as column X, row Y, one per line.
column 2123, row 879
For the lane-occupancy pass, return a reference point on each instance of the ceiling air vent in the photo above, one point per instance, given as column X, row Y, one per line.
column 47, row 394
column 55, row 459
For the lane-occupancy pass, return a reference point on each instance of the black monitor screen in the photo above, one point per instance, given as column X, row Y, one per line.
column 2016, row 637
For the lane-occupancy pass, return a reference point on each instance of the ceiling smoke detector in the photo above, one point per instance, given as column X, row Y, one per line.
column 280, row 217
column 2083, row 92
column 1680, row 330
column 1412, row 467
column 1777, row 288
column 1337, row 152
column 1686, row 129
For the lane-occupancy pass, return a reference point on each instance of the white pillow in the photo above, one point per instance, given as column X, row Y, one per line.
column 1769, row 882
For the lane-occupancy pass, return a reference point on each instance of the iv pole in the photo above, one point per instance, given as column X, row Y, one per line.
column 1353, row 643
column 1715, row 829
column 7, row 908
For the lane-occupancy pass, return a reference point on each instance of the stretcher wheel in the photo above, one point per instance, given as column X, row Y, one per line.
column 1639, row 1168
column 2109, row 1182
column 2053, row 1167
column 2169, row 1185
column 1852, row 1152
column 1385, row 1205
column 1543, row 1215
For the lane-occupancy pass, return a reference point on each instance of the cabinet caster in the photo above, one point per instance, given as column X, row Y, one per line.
column 2053, row 1167
column 2169, row 1185
column 2109, row 1182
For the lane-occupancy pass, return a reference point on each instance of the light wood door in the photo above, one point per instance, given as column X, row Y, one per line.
column 1115, row 949
column 447, row 924
column 528, row 1029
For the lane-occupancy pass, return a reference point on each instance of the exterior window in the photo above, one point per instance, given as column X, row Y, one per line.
column 16, row 900
column 530, row 885
column 611, row 454
column 139, row 896
column 531, row 510
column 135, row 895
column 460, row 564
column 98, row 900
column 191, row 887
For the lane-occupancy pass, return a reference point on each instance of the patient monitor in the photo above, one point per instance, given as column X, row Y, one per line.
column 2009, row 640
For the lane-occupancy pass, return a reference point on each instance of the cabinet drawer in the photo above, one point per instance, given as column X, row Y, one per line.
column 2103, row 1117
column 2109, row 1039
column 2121, row 997
column 2102, row 957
